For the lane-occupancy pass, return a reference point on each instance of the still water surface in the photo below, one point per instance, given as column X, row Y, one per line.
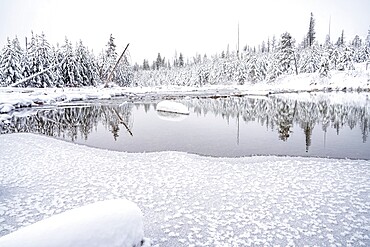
column 228, row 127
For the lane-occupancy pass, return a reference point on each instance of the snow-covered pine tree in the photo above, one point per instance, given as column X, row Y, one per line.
column 311, row 31
column 273, row 43
column 1, row 72
column 86, row 67
column 146, row 65
column 367, row 41
column 256, row 68
column 125, row 73
column 70, row 73
column 310, row 59
column 345, row 61
column 108, row 60
column 283, row 60
column 10, row 63
column 40, row 58
column 324, row 66
column 181, row 60
column 25, row 67
column 45, row 61
column 334, row 52
column 19, row 54
column 340, row 40
column 57, row 58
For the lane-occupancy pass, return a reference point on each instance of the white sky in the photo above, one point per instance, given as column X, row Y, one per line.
column 187, row 26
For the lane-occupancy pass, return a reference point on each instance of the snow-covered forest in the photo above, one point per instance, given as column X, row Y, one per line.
column 75, row 65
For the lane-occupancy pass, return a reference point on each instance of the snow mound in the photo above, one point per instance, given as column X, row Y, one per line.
column 5, row 118
column 171, row 106
column 105, row 223
column 5, row 108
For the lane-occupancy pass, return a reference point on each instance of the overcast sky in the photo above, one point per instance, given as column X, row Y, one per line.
column 187, row 26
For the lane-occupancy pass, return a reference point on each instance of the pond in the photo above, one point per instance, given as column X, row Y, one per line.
column 224, row 127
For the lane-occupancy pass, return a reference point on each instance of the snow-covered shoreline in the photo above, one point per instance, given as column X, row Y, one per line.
column 340, row 81
column 190, row 200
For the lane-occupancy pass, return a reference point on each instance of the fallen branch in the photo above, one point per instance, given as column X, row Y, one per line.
column 34, row 75
column 122, row 122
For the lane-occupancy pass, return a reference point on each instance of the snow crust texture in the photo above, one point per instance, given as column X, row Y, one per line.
column 190, row 200
column 105, row 223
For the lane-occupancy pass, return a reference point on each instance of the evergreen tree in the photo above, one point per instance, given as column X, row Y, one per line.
column 324, row 67
column 256, row 68
column 57, row 58
column 368, row 39
column 311, row 31
column 346, row 59
column 108, row 60
column 273, row 43
column 45, row 61
column 340, row 40
column 356, row 43
column 111, row 48
column 310, row 59
column 25, row 66
column 181, row 60
column 286, row 53
column 10, row 64
column 70, row 73
column 40, row 58
column 158, row 62
column 334, row 54
column 125, row 73
column 1, row 72
column 86, row 66
column 146, row 65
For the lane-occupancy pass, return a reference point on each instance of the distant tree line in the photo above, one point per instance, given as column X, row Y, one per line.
column 74, row 66
column 268, row 61
column 64, row 65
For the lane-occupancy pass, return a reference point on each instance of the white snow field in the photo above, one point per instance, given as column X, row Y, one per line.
column 191, row 200
column 105, row 223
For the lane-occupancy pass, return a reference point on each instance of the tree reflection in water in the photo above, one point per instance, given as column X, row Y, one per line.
column 281, row 114
column 276, row 114
column 69, row 122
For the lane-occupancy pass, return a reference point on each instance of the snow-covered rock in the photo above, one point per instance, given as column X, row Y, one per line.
column 5, row 108
column 171, row 106
column 105, row 223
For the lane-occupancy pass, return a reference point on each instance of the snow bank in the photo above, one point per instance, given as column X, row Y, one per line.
column 5, row 108
column 106, row 223
column 171, row 106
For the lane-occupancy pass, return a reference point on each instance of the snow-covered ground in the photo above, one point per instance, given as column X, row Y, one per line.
column 190, row 200
column 105, row 223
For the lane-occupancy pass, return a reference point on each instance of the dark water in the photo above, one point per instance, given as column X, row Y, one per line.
column 231, row 127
